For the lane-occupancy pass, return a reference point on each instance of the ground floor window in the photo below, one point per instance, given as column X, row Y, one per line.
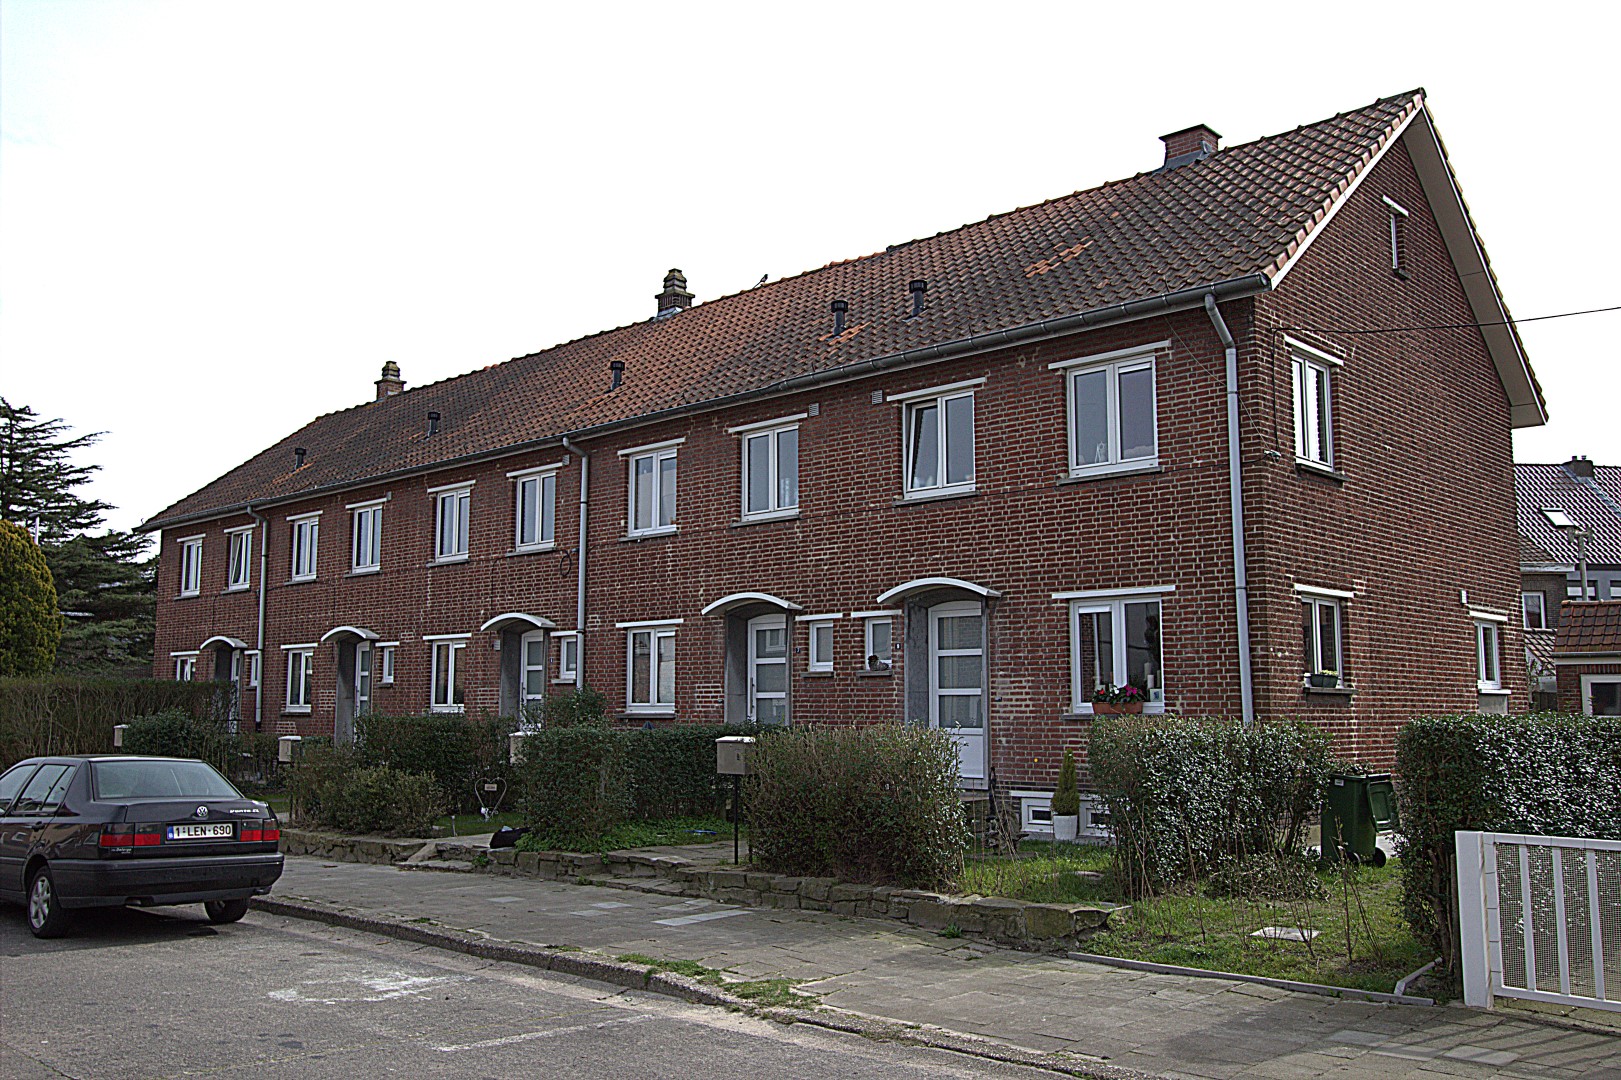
column 650, row 668
column 568, row 657
column 448, row 694
column 1320, row 631
column 300, row 671
column 1115, row 642
column 1489, row 654
column 1601, row 695
column 185, row 667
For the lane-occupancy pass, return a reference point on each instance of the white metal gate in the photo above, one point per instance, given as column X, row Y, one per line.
column 1540, row 918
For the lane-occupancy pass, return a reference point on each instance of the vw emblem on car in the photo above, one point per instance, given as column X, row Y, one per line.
column 201, row 811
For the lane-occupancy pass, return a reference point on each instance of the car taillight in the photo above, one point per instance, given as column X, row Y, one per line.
column 125, row 837
column 262, row 832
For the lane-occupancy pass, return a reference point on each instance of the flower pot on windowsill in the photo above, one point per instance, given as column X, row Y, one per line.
column 1123, row 708
column 1066, row 827
column 1323, row 680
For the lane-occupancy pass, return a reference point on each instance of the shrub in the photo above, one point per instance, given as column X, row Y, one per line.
column 30, row 625
column 574, row 784
column 75, row 715
column 1067, row 796
column 175, row 733
column 457, row 751
column 1185, row 793
column 672, row 770
column 331, row 789
column 872, row 803
column 1544, row 774
column 581, row 707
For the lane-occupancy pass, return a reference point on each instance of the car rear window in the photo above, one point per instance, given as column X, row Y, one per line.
column 160, row 780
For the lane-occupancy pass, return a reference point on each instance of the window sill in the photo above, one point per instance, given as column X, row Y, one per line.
column 296, row 710
column 1317, row 468
column 532, row 549
column 566, row 681
column 1493, row 691
column 1078, row 476
column 188, row 595
column 871, row 673
column 364, row 571
column 447, row 710
column 761, row 519
column 647, row 714
column 236, row 589
column 300, row 580
column 816, row 674
column 448, row 560
column 912, row 500
column 1343, row 692
column 649, row 534
column 1084, row 712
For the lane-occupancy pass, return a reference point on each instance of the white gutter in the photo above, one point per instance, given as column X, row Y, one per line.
column 1235, row 491
column 579, row 589
column 259, row 640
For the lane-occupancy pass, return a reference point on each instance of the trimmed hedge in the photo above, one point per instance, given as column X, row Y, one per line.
column 332, row 788
column 1187, row 794
column 1541, row 774
column 174, row 733
column 875, row 803
column 456, row 751
column 66, row 715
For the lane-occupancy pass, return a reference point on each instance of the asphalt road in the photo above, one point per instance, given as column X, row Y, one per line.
column 162, row 993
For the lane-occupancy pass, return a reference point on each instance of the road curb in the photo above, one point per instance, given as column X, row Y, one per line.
column 1321, row 989
column 565, row 960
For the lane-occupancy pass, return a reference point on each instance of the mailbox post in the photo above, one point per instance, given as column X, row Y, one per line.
column 733, row 756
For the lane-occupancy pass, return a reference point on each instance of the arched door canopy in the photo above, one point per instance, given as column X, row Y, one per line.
column 742, row 599
column 347, row 633
column 518, row 620
column 925, row 584
column 221, row 639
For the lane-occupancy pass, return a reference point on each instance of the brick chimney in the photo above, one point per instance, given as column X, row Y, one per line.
column 1188, row 145
column 675, row 296
column 1580, row 466
column 391, row 383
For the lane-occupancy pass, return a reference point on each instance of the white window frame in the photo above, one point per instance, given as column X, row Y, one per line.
column 871, row 620
column 655, row 631
column 1316, row 663
column 544, row 487
column 185, row 666
column 384, row 666
column 366, row 524
column 1314, row 443
column 191, row 565
column 253, row 668
column 938, row 397
column 771, row 431
column 300, row 678
column 1398, row 236
column 815, row 661
column 662, row 519
column 1588, row 682
column 1035, row 811
column 568, row 656
column 1114, row 602
column 365, row 677
column 306, row 546
column 450, row 650
column 239, row 557
column 1542, row 610
column 525, row 668
column 1488, row 658
column 1114, row 365
column 755, row 662
column 457, row 500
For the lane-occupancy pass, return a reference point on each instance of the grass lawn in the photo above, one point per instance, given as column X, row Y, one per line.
column 473, row 824
column 1363, row 940
column 635, row 834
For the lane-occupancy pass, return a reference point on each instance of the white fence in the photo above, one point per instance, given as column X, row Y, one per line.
column 1540, row 918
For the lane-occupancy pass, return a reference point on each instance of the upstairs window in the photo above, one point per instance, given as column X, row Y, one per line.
column 535, row 510
column 1313, row 405
column 1113, row 411
column 239, row 566
column 448, row 694
column 191, row 565
column 366, row 549
column 770, row 468
column 1398, row 239
column 451, row 509
column 938, row 428
column 652, row 488
column 306, row 534
column 1534, row 607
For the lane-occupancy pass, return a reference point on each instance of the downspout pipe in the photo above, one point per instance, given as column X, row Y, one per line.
column 1235, row 491
column 259, row 641
column 579, row 586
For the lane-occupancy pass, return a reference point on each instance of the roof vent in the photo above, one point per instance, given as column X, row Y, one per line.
column 675, row 296
column 391, row 383
column 1189, row 145
column 918, row 288
column 298, row 457
column 617, row 368
column 1580, row 466
column 433, row 423
column 840, row 310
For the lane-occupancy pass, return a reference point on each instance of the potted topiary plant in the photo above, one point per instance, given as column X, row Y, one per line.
column 1066, row 804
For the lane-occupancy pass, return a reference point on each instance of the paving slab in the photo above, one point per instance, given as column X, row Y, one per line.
column 1162, row 1024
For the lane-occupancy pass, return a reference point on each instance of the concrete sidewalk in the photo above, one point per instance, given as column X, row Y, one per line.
column 1163, row 1024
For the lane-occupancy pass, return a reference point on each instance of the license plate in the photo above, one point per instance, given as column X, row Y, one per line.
column 222, row 831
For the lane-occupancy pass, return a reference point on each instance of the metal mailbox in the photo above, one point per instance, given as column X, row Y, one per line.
column 289, row 748
column 733, row 754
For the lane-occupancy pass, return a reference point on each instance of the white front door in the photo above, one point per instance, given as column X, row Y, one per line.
column 957, row 681
column 768, row 669
column 531, row 676
column 363, row 678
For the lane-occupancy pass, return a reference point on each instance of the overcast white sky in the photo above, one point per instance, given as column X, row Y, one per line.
column 219, row 219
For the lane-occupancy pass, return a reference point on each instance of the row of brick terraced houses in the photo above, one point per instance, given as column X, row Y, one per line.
column 966, row 481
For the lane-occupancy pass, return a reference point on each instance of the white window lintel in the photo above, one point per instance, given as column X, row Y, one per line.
column 308, row 515
column 1296, row 345
column 933, row 391
column 190, row 539
column 1487, row 616
column 885, row 613
column 442, row 489
column 1113, row 594
column 648, row 448
column 233, row 530
column 367, row 504
column 1324, row 594
column 766, row 425
column 185, row 652
column 446, row 637
column 818, row 618
column 308, row 646
column 1144, row 351
column 648, row 624
column 538, row 470
column 1396, row 206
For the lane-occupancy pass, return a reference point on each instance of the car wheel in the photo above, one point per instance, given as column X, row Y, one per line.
column 224, row 911
column 46, row 916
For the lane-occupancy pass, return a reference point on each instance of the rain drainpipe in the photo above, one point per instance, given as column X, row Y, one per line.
column 579, row 588
column 1235, row 486
column 259, row 641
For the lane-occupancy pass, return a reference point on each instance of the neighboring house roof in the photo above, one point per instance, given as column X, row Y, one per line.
column 1234, row 223
column 1592, row 502
column 1589, row 628
column 1539, row 650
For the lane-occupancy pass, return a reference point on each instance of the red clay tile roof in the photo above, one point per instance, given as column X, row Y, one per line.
column 1594, row 503
column 1239, row 213
column 1588, row 626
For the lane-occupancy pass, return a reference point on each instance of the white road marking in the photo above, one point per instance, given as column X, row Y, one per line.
column 503, row 899
column 686, row 905
column 702, row 916
column 610, row 904
column 640, row 1018
column 373, row 988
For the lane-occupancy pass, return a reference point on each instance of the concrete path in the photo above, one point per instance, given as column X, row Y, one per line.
column 1163, row 1024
